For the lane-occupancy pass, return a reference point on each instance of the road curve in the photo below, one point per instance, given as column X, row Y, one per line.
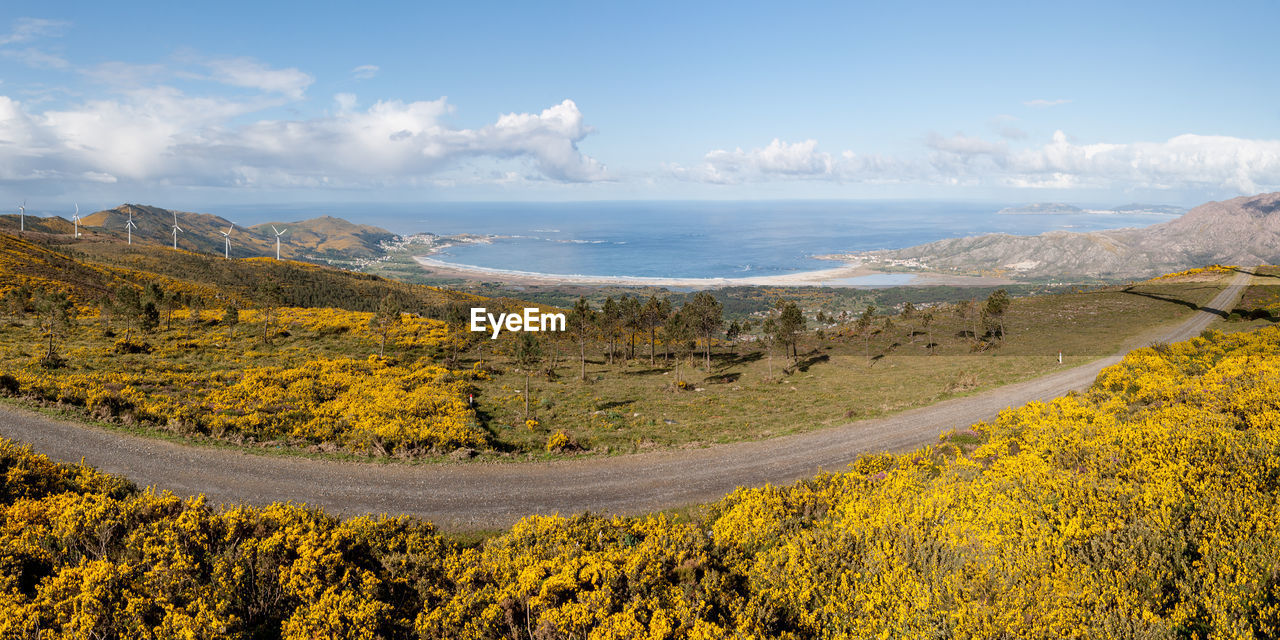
column 491, row 495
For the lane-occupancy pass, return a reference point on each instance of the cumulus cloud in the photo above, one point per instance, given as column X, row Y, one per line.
column 1223, row 162
column 1187, row 161
column 364, row 71
column 778, row 158
column 781, row 160
column 1041, row 103
column 251, row 74
column 164, row 135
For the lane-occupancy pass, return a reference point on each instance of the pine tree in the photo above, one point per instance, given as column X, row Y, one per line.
column 994, row 309
column 54, row 310
column 581, row 319
column 385, row 320
column 705, row 317
column 655, row 313
column 526, row 351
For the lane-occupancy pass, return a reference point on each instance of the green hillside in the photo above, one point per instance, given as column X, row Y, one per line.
column 323, row 238
column 88, row 270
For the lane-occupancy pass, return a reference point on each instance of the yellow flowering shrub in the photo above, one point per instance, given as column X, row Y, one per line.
column 559, row 441
column 368, row 402
column 1144, row 507
column 1213, row 268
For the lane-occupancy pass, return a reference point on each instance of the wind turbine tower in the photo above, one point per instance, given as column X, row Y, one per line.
column 176, row 230
column 278, row 234
column 22, row 216
column 130, row 226
column 76, row 220
column 226, row 235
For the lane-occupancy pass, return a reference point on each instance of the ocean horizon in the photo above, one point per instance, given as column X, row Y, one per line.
column 694, row 239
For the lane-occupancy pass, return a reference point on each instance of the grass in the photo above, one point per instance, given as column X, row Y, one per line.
column 1259, row 306
column 748, row 393
column 632, row 406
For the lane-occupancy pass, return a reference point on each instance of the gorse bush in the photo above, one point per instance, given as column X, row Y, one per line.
column 224, row 383
column 1145, row 507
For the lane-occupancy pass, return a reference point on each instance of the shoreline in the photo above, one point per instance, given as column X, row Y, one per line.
column 842, row 276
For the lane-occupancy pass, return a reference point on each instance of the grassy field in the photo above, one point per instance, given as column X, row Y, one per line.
column 839, row 377
column 1258, row 307
column 319, row 391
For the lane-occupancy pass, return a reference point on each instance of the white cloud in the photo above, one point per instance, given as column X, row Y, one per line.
column 963, row 145
column 1222, row 162
column 778, row 159
column 345, row 101
column 35, row 58
column 1041, row 103
column 251, row 74
column 1188, row 161
column 781, row 160
column 364, row 71
column 28, row 29
column 162, row 135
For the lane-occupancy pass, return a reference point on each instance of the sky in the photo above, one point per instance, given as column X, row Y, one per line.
column 189, row 105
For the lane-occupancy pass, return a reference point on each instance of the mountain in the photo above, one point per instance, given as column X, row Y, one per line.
column 321, row 238
column 329, row 237
column 90, row 270
column 153, row 225
column 1243, row 230
column 35, row 224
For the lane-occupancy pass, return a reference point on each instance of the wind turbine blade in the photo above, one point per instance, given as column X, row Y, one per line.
column 273, row 228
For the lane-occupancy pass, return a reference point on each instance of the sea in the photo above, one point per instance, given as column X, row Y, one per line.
column 697, row 239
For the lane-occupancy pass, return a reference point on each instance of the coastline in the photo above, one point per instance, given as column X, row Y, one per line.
column 847, row 275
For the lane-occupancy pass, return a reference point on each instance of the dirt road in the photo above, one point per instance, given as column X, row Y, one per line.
column 470, row 496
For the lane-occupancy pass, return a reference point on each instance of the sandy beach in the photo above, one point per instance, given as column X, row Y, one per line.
column 848, row 274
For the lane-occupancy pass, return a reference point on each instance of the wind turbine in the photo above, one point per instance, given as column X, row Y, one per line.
column 130, row 226
column 226, row 251
column 22, row 216
column 176, row 230
column 76, row 220
column 278, row 234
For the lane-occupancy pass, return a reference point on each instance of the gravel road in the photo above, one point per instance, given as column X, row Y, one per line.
column 491, row 495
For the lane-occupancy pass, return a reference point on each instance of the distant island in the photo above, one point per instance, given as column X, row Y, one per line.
column 1039, row 209
column 1061, row 208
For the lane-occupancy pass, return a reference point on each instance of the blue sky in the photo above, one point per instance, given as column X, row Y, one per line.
column 186, row 106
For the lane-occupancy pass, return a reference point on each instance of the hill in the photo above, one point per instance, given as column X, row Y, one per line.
column 89, row 270
column 1243, row 230
column 35, row 224
column 324, row 238
column 329, row 237
column 1144, row 508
